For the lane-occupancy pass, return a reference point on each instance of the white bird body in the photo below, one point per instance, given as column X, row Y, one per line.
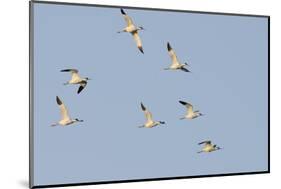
column 176, row 65
column 149, row 120
column 76, row 79
column 190, row 114
column 133, row 29
column 65, row 118
column 65, row 122
column 208, row 147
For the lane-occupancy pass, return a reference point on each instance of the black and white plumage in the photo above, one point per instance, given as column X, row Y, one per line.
column 149, row 120
column 65, row 118
column 76, row 79
column 190, row 113
column 176, row 65
column 208, row 146
column 133, row 29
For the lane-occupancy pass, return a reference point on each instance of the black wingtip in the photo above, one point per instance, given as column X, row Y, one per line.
column 143, row 107
column 141, row 50
column 58, row 100
column 80, row 89
column 67, row 70
column 122, row 11
column 182, row 102
column 185, row 70
column 169, row 46
column 203, row 142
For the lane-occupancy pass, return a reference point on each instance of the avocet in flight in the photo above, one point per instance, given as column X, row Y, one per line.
column 208, row 147
column 65, row 118
column 176, row 65
column 149, row 120
column 76, row 79
column 133, row 29
column 190, row 113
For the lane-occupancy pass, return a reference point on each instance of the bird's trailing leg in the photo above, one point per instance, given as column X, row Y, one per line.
column 55, row 124
column 142, row 126
column 182, row 118
column 121, row 31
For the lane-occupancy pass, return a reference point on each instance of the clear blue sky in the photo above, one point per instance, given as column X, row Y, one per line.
column 227, row 57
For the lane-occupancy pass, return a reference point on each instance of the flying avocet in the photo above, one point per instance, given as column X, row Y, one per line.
column 149, row 120
column 208, row 146
column 190, row 114
column 76, row 79
column 176, row 65
column 65, row 118
column 131, row 28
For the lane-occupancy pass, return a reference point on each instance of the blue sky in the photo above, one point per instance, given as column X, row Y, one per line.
column 228, row 59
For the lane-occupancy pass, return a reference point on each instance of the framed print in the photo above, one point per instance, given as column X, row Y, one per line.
column 126, row 94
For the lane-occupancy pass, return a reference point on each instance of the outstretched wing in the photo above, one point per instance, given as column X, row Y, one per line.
column 172, row 54
column 82, row 86
column 147, row 114
column 188, row 106
column 63, row 109
column 70, row 70
column 206, row 142
column 128, row 20
column 74, row 73
column 138, row 41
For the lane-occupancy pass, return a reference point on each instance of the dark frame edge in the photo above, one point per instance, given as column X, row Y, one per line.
column 147, row 8
column 268, row 54
column 31, row 97
column 150, row 179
